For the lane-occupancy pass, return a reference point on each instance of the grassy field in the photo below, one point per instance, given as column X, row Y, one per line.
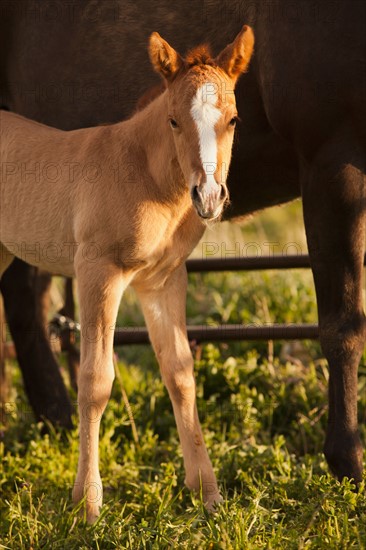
column 263, row 408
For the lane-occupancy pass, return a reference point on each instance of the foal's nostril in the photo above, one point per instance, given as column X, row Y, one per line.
column 223, row 193
column 195, row 193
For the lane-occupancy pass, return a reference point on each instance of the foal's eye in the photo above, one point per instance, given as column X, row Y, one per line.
column 173, row 123
column 233, row 121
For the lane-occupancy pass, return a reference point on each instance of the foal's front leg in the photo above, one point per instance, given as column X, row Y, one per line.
column 100, row 289
column 164, row 312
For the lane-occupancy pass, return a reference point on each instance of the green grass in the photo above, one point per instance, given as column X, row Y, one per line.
column 264, row 432
column 263, row 409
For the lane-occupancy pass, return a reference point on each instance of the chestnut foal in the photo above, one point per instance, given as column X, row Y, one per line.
column 126, row 204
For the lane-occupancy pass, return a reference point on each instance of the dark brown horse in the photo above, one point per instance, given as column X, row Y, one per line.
column 303, row 133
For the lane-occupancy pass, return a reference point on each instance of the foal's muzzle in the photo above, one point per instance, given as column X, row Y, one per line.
column 209, row 203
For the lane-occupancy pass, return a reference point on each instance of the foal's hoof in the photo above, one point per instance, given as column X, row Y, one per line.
column 89, row 512
column 92, row 496
column 212, row 503
column 92, row 513
column 211, row 497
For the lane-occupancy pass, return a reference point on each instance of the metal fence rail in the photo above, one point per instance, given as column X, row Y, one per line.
column 248, row 264
column 226, row 333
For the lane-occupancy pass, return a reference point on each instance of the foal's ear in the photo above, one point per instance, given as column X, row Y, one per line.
column 164, row 58
column 234, row 59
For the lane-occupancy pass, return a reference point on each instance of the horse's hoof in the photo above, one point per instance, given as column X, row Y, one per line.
column 344, row 454
column 212, row 503
column 92, row 493
column 92, row 513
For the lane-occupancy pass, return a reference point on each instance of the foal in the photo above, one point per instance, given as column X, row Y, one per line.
column 126, row 204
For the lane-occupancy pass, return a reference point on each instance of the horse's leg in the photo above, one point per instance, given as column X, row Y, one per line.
column 42, row 379
column 164, row 312
column 100, row 288
column 68, row 337
column 4, row 385
column 334, row 196
column 5, row 261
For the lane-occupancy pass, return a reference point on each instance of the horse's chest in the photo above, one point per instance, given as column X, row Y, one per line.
column 168, row 248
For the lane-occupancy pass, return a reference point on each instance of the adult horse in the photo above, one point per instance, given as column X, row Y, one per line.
column 303, row 133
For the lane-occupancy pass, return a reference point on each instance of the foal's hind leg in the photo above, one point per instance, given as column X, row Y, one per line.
column 100, row 289
column 334, row 195
column 164, row 312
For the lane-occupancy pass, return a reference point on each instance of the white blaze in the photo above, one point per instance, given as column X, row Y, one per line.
column 205, row 114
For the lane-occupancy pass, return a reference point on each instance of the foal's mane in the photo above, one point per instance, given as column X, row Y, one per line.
column 200, row 55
